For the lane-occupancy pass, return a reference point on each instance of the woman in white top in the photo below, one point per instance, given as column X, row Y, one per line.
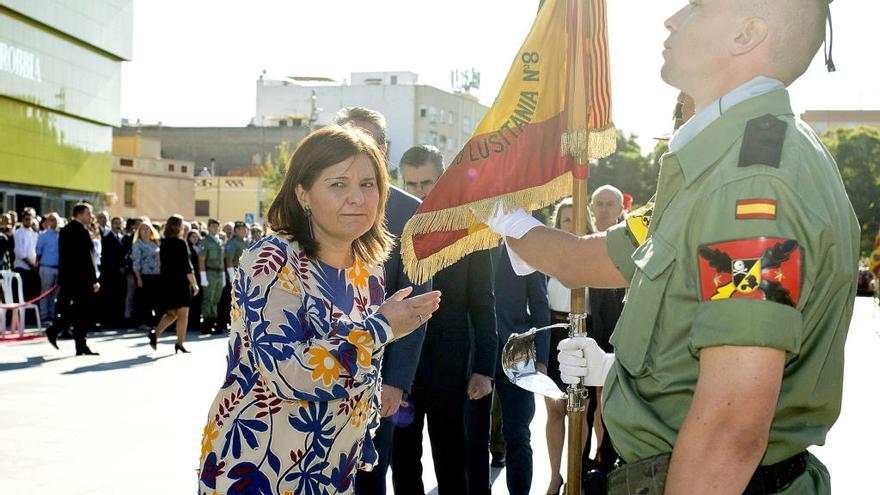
column 560, row 305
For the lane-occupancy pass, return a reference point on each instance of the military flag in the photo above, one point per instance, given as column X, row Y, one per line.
column 552, row 115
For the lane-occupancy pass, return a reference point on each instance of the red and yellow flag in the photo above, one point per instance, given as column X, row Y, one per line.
column 552, row 115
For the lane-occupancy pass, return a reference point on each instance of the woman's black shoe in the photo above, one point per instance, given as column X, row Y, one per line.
column 153, row 339
column 178, row 347
column 87, row 352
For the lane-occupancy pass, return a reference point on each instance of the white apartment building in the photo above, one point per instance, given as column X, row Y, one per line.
column 416, row 113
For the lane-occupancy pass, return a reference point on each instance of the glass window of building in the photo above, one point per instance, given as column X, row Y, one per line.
column 203, row 207
column 129, row 194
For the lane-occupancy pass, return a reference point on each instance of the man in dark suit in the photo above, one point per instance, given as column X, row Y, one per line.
column 400, row 359
column 457, row 362
column 113, row 275
column 520, row 304
column 77, row 278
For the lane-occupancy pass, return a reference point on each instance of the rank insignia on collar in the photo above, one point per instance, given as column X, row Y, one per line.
column 762, row 268
column 638, row 221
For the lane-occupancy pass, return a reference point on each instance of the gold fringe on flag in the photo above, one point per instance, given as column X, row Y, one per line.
column 472, row 217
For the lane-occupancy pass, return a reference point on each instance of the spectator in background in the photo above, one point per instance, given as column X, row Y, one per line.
column 112, row 279
column 145, row 265
column 47, row 259
column 103, row 219
column 228, row 228
column 448, row 379
column 25, row 237
column 95, row 231
column 77, row 279
column 7, row 244
column 256, row 233
column 177, row 281
column 606, row 306
column 559, row 298
column 13, row 218
column 131, row 228
column 195, row 307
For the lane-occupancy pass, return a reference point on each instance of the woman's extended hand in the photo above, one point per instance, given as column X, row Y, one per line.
column 405, row 315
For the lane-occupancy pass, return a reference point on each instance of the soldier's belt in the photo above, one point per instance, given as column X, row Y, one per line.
column 213, row 269
column 648, row 476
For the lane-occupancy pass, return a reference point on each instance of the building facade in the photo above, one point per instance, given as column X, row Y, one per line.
column 232, row 148
column 145, row 184
column 60, row 72
column 229, row 198
column 416, row 114
column 822, row 120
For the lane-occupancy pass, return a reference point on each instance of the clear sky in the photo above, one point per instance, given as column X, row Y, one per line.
column 196, row 62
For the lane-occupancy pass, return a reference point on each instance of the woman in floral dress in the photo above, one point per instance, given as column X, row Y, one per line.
column 298, row 406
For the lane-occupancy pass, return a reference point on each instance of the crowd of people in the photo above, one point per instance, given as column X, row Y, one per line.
column 140, row 276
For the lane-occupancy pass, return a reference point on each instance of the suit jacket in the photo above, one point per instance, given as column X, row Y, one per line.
column 76, row 267
column 462, row 338
column 401, row 356
column 521, row 303
column 112, row 255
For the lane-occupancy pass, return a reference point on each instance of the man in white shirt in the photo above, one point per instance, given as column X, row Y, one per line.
column 26, row 264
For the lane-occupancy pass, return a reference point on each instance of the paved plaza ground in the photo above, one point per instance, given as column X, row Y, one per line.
column 130, row 420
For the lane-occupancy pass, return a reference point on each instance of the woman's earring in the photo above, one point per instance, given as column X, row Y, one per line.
column 308, row 212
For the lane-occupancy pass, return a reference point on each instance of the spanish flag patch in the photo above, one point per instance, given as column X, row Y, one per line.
column 747, row 209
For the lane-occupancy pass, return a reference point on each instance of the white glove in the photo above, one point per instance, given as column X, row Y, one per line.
column 230, row 275
column 203, row 277
column 514, row 224
column 581, row 360
column 223, row 279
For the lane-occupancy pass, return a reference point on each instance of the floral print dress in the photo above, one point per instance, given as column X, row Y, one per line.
column 299, row 404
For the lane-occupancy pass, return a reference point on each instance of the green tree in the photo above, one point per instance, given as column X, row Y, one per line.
column 273, row 170
column 626, row 169
column 857, row 152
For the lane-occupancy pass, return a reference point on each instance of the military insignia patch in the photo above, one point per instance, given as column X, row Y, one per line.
column 759, row 268
column 756, row 209
column 638, row 221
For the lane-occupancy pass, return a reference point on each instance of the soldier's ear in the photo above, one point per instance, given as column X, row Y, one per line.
column 751, row 34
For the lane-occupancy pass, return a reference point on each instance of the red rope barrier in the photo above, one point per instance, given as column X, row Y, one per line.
column 21, row 305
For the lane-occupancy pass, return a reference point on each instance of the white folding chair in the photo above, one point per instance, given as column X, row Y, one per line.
column 13, row 298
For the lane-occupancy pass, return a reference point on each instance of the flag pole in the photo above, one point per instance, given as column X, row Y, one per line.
column 577, row 394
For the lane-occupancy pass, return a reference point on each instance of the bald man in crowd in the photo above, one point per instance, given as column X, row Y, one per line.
column 728, row 359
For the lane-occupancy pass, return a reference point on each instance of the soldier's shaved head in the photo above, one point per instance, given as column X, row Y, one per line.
column 795, row 32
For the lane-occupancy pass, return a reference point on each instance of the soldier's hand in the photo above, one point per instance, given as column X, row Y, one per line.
column 581, row 360
column 405, row 315
column 203, row 277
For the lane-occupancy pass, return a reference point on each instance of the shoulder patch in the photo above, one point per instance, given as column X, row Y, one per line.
column 762, row 268
column 762, row 142
column 638, row 221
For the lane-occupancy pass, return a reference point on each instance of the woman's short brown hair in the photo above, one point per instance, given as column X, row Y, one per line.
column 173, row 226
column 321, row 149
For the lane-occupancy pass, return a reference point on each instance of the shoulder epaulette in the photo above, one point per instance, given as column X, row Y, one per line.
column 762, row 142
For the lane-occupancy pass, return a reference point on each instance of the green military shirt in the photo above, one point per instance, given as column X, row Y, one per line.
column 234, row 248
column 212, row 249
column 753, row 242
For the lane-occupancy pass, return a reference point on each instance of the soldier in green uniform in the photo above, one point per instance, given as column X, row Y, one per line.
column 234, row 248
column 211, row 274
column 728, row 357
column 236, row 245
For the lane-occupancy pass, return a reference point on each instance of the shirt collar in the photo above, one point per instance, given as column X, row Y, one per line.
column 711, row 112
column 722, row 128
